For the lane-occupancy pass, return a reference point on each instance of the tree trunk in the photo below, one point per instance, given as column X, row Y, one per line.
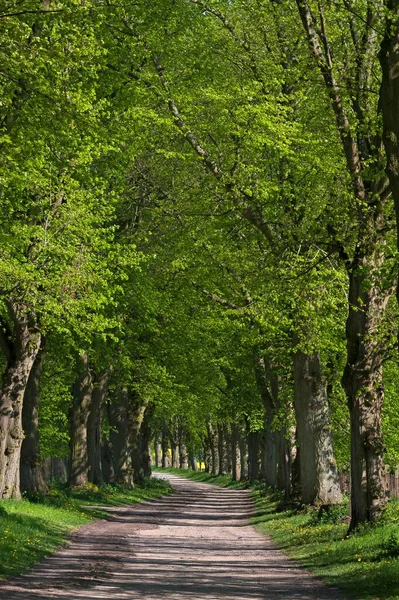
column 32, row 479
column 253, row 455
column 174, row 444
column 137, row 410
column 98, row 398
column 78, row 414
column 207, row 455
column 183, row 456
column 284, row 464
column 221, row 450
column 158, row 452
column 319, row 481
column 363, row 384
column 192, row 461
column 21, row 354
column 141, row 457
column 120, row 439
column 107, row 459
column 165, row 449
column 243, row 444
column 214, row 447
column 235, row 453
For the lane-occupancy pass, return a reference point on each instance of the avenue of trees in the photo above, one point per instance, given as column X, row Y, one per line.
column 199, row 239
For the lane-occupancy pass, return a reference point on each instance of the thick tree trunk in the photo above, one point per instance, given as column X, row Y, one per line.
column 221, row 450
column 174, row 445
column 284, row 464
column 21, row 355
column 207, row 455
column 363, row 384
column 243, row 443
column 214, row 447
column 141, row 456
column 183, row 456
column 253, row 455
column 139, row 440
column 319, row 483
column 32, row 479
column 192, row 461
column 158, row 452
column 227, row 447
column 165, row 449
column 235, row 453
column 98, row 399
column 107, row 460
column 78, row 414
column 120, row 439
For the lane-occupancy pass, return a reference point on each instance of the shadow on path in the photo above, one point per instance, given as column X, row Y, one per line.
column 195, row 544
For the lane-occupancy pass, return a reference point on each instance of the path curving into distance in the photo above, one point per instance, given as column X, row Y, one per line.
column 195, row 544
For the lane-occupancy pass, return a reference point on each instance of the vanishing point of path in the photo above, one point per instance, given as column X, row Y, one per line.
column 195, row 544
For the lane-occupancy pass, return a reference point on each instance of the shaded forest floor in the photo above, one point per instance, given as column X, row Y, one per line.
column 30, row 529
column 364, row 565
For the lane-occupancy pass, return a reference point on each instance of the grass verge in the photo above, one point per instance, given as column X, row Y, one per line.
column 32, row 529
column 364, row 565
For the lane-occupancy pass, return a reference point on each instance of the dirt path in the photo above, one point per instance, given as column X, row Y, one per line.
column 195, row 544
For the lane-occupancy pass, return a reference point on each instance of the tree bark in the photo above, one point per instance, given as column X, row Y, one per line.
column 235, row 452
column 78, row 415
column 158, row 452
column 319, row 483
column 32, row 479
column 107, row 460
column 363, row 384
column 98, row 398
column 174, row 445
column 20, row 350
column 165, row 449
column 214, row 447
column 253, row 455
column 120, row 439
column 141, row 434
column 243, row 443
column 221, row 450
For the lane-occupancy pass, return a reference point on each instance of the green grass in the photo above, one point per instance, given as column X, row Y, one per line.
column 365, row 565
column 32, row 529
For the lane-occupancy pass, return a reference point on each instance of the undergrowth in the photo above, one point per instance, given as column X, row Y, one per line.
column 35, row 526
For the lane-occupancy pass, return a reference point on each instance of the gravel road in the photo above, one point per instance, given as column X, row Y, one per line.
column 195, row 544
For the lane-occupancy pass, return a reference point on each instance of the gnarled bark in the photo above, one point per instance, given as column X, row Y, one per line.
column 235, row 452
column 120, row 439
column 158, row 452
column 78, row 416
column 20, row 348
column 165, row 448
column 319, row 483
column 214, row 447
column 363, row 384
column 32, row 478
column 98, row 398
